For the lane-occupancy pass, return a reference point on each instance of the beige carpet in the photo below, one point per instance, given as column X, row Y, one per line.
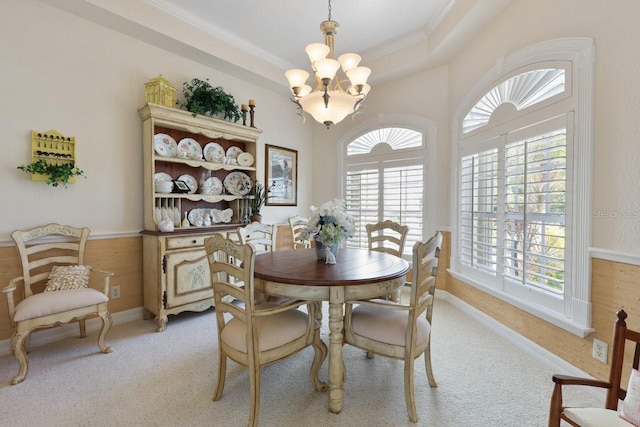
column 167, row 379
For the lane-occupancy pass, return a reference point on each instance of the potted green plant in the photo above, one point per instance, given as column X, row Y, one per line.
column 259, row 199
column 200, row 97
column 55, row 174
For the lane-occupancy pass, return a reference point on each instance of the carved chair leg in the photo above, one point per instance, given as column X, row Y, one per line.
column 320, row 353
column 427, row 364
column 106, row 325
column 222, row 372
column 18, row 350
column 83, row 328
column 408, row 390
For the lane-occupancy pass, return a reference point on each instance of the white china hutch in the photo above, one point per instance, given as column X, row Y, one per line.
column 175, row 268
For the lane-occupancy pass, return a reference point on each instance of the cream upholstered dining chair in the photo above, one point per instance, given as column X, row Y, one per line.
column 297, row 224
column 612, row 414
column 262, row 236
column 400, row 331
column 254, row 334
column 389, row 237
column 53, row 254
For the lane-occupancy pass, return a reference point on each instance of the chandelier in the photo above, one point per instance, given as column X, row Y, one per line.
column 329, row 103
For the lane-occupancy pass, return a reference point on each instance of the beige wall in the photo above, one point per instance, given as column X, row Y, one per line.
column 65, row 73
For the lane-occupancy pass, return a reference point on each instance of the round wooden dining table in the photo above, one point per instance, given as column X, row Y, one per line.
column 357, row 274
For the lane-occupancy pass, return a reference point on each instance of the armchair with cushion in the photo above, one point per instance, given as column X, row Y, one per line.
column 612, row 414
column 53, row 254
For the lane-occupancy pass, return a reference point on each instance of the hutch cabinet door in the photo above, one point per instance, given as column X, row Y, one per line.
column 188, row 277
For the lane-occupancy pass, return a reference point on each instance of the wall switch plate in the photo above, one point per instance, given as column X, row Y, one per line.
column 600, row 350
column 115, row 292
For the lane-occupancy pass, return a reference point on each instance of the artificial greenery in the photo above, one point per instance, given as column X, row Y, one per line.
column 259, row 198
column 202, row 98
column 56, row 174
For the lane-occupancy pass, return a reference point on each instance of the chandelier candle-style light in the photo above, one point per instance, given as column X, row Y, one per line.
column 329, row 103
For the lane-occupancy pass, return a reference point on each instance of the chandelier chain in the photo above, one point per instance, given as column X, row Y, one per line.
column 329, row 10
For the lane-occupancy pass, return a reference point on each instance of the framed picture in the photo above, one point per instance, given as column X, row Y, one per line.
column 180, row 186
column 281, row 176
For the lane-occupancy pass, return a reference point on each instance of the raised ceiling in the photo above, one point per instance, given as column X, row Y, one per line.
column 258, row 40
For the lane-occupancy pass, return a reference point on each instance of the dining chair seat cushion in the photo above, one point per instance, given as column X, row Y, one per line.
column 46, row 303
column 595, row 417
column 273, row 330
column 387, row 326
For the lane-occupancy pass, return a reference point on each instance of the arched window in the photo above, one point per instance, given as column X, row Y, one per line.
column 523, row 172
column 384, row 174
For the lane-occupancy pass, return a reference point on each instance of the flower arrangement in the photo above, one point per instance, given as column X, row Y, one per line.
column 330, row 222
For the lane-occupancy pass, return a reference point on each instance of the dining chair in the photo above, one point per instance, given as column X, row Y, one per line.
column 262, row 236
column 297, row 224
column 253, row 334
column 626, row 413
column 389, row 237
column 55, row 284
column 396, row 330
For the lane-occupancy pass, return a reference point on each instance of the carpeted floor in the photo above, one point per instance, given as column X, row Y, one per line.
column 167, row 379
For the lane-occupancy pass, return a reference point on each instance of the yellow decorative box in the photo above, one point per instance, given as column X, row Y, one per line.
column 160, row 91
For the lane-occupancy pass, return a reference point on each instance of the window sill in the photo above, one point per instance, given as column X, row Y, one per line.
column 541, row 312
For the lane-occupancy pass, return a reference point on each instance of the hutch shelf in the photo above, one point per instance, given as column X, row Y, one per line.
column 175, row 268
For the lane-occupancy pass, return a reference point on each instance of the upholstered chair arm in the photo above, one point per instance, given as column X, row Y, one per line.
column 9, row 289
column 106, row 275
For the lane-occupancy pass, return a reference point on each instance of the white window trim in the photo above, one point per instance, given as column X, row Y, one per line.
column 420, row 124
column 581, row 52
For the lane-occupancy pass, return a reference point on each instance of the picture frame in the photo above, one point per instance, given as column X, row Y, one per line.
column 180, row 186
column 281, row 176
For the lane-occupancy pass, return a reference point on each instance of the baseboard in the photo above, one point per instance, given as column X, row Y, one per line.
column 71, row 330
column 541, row 354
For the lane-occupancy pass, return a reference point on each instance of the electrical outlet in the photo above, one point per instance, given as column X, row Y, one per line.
column 600, row 350
column 115, row 292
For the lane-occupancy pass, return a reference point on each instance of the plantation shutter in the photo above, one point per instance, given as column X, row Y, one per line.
column 478, row 210
column 534, row 211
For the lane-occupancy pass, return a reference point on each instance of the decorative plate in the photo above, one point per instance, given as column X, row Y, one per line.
column 212, row 186
column 238, row 183
column 245, row 159
column 165, row 145
column 221, row 216
column 213, row 152
column 193, row 215
column 191, row 182
column 191, row 147
column 233, row 152
column 161, row 176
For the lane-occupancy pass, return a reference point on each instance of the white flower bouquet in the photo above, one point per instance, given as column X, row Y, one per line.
column 330, row 223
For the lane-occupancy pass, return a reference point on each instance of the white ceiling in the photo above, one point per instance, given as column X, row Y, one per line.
column 257, row 40
column 279, row 30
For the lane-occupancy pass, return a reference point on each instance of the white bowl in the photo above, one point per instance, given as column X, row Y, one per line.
column 164, row 186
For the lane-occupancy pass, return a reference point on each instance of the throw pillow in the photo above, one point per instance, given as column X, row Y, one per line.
column 68, row 277
column 631, row 405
